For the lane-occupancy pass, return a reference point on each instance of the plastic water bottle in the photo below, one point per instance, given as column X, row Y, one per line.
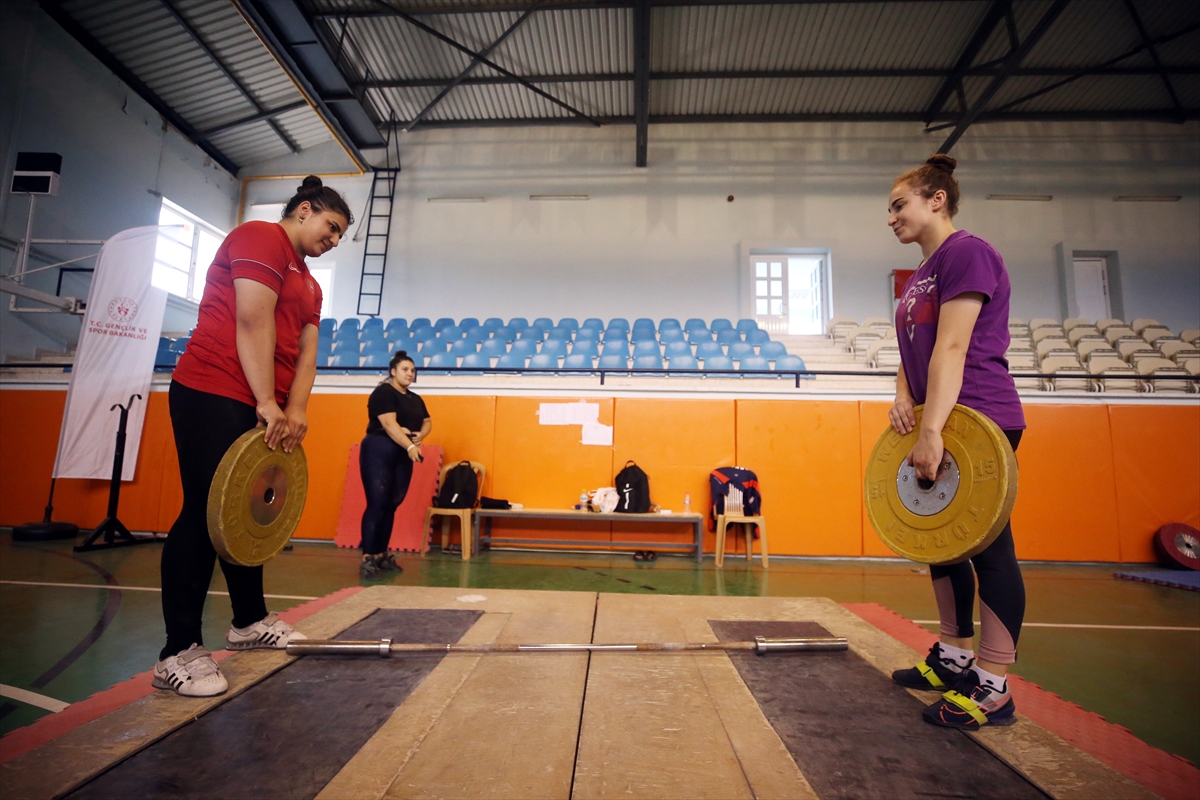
column 583, row 501
column 687, row 502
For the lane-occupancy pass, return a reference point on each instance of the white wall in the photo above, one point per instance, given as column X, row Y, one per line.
column 664, row 241
column 118, row 159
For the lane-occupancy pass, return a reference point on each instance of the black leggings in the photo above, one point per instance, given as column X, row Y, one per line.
column 205, row 425
column 1001, row 594
column 386, row 472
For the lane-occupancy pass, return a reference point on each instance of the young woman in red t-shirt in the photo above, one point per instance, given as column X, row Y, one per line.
column 250, row 362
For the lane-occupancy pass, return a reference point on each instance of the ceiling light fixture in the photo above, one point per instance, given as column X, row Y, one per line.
column 1147, row 198
column 1038, row 198
column 456, row 200
column 559, row 197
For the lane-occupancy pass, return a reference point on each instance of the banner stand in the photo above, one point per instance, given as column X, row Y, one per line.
column 47, row 529
column 112, row 529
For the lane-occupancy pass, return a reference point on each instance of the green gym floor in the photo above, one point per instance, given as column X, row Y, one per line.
column 1128, row 651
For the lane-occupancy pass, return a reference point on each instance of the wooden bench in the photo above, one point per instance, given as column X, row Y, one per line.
column 485, row 536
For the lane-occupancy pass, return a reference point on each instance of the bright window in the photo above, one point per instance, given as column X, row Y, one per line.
column 186, row 248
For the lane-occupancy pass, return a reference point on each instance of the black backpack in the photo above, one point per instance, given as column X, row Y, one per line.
column 460, row 488
column 633, row 489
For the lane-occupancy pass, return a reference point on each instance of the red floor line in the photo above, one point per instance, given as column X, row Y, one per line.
column 122, row 694
column 1169, row 776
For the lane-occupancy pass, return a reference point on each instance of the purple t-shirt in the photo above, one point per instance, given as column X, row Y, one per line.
column 963, row 263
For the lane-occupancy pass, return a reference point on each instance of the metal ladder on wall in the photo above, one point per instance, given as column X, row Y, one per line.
column 378, row 224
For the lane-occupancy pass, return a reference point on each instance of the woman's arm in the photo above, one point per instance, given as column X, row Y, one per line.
column 393, row 429
column 426, row 427
column 901, row 413
column 956, row 323
column 255, row 313
column 301, row 388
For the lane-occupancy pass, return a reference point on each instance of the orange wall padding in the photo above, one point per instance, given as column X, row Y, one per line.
column 1096, row 481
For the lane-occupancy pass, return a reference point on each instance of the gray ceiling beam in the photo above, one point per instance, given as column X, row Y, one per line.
column 1137, row 20
column 423, row 9
column 1011, row 62
column 228, row 73
column 434, row 32
column 267, row 115
column 475, row 62
column 966, row 58
column 617, row 77
column 54, row 9
column 641, row 79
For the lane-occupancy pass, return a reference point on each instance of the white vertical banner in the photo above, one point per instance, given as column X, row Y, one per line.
column 114, row 359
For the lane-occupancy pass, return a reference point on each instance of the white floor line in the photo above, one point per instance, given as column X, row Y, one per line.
column 32, row 698
column 1071, row 625
column 140, row 589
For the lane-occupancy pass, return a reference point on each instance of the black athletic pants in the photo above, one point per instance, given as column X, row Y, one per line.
column 205, row 426
column 386, row 472
column 1001, row 594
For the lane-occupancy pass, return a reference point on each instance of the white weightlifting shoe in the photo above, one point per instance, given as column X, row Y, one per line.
column 192, row 673
column 270, row 632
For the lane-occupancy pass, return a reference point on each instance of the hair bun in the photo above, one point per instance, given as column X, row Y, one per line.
column 403, row 353
column 311, row 182
column 942, row 161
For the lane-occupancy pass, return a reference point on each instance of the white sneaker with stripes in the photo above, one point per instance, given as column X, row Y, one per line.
column 270, row 632
column 192, row 673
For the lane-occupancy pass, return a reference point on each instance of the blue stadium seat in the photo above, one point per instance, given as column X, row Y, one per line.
column 707, row 350
column 375, row 359
column 720, row 324
column 642, row 323
column 180, row 345
column 669, row 324
column 620, row 323
column 328, row 325
column 643, row 335
column 493, row 348
column 584, row 347
column 747, row 325
column 451, row 332
column 423, row 332
column 543, row 361
column 518, row 323
column 476, row 334
column 491, row 323
column 757, row 336
column 694, row 324
column 740, row 350
column 406, row 344
column 613, row 361
column 324, row 350
column 753, row 363
column 466, row 323
column 673, row 349
column 696, row 335
column 440, row 361
column 791, row 363
column 396, row 322
column 505, row 333
column 728, row 336
column 648, row 362
column 578, row 361
column 345, row 334
column 372, row 338
column 462, row 347
column 344, row 360
column 570, row 323
column 164, row 357
column 545, row 323
column 532, row 332
column 772, row 350
column 670, row 335
column 587, row 333
column 718, row 362
column 431, row 346
column 374, row 346
column 443, row 322
column 595, row 323
column 511, row 361
column 649, row 348
column 476, row 361
column 524, row 347
column 346, row 347
column 616, row 335
column 560, row 332
column 420, row 322
column 371, row 324
column 616, row 347
column 349, row 324
column 395, row 332
column 554, row 347
column 683, row 362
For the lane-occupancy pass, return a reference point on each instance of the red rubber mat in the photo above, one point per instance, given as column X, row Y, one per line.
column 408, row 529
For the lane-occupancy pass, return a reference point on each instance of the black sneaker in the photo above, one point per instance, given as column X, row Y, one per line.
column 387, row 563
column 368, row 569
column 971, row 705
column 935, row 672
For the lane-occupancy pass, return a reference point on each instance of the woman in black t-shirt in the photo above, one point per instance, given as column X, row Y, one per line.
column 397, row 423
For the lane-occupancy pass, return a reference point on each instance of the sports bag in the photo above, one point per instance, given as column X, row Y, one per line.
column 745, row 481
column 460, row 488
column 633, row 490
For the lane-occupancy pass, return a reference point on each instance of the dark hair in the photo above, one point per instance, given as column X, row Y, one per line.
column 320, row 197
column 397, row 357
column 936, row 174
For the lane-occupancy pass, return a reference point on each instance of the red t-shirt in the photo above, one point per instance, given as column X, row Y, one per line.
column 260, row 251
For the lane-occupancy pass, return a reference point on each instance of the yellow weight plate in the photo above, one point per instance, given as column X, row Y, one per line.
column 961, row 513
column 256, row 498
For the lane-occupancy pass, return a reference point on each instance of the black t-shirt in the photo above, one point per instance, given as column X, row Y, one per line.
column 408, row 407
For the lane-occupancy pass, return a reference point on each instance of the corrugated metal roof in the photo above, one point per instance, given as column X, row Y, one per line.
column 513, row 101
column 1109, row 93
column 1087, row 33
column 793, row 96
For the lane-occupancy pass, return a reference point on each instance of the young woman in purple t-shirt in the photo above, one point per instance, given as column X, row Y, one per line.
column 952, row 327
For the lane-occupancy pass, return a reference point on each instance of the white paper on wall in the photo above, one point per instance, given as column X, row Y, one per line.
column 597, row 433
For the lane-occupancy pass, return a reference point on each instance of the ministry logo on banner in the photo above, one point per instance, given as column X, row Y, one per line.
column 114, row 359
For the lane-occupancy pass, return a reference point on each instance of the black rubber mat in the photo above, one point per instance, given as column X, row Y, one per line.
column 855, row 734
column 290, row 734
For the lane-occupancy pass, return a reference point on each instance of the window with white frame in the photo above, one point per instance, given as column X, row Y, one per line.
column 186, row 247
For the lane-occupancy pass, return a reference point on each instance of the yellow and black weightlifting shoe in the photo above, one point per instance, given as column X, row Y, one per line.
column 972, row 704
column 935, row 672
